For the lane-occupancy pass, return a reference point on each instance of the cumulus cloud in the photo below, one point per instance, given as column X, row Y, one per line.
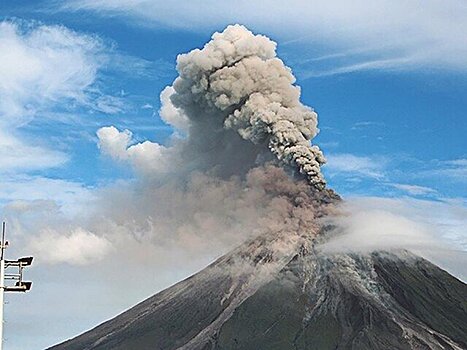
column 147, row 157
column 349, row 37
column 113, row 142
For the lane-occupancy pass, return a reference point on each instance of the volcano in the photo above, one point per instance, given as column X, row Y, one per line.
column 278, row 292
column 250, row 136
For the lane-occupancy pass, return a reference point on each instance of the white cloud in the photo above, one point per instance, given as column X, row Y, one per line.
column 344, row 163
column 17, row 155
column 367, row 124
column 72, row 197
column 429, row 228
column 455, row 169
column 109, row 104
column 361, row 65
column 48, row 72
column 414, row 189
column 114, row 143
column 458, row 162
column 147, row 106
column 79, row 247
column 394, row 34
column 43, row 68
column 372, row 229
column 147, row 157
column 447, row 219
column 41, row 65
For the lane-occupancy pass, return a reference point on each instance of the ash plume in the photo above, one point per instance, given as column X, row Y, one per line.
column 243, row 108
column 241, row 163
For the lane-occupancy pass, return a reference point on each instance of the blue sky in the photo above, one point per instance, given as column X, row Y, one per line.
column 388, row 81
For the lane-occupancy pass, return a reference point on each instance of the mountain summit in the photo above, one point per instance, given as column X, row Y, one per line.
column 281, row 292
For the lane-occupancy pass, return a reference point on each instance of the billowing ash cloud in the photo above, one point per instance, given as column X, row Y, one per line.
column 241, row 131
column 243, row 108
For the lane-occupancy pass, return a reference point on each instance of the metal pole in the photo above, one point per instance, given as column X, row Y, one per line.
column 2, row 292
column 2, row 283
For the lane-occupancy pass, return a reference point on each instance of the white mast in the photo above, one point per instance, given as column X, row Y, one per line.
column 20, row 285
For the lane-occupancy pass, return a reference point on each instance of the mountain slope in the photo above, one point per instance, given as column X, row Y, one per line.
column 279, row 293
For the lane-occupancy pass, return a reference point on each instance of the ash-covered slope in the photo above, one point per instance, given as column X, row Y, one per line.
column 280, row 293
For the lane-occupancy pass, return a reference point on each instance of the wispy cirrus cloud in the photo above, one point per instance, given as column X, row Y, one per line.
column 454, row 170
column 352, row 165
column 366, row 124
column 54, row 77
column 394, row 34
column 41, row 65
column 17, row 155
column 43, row 68
column 71, row 196
column 397, row 174
column 414, row 189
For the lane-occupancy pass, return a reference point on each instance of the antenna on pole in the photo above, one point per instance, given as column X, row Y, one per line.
column 3, row 239
column 19, row 286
